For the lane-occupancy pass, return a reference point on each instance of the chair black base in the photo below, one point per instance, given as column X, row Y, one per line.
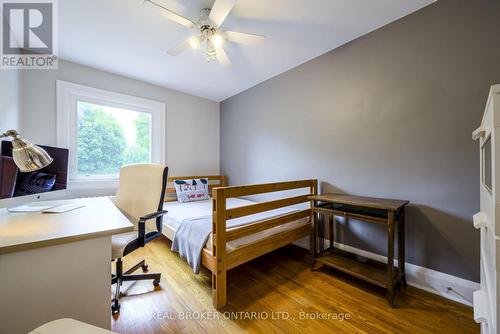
column 121, row 277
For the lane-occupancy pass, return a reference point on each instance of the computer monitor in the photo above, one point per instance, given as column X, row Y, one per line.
column 15, row 184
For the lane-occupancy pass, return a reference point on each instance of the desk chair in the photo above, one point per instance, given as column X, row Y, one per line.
column 140, row 196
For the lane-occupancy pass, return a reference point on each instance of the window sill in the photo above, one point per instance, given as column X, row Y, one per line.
column 77, row 184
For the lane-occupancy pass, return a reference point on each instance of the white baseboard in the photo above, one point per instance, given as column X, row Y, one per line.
column 423, row 278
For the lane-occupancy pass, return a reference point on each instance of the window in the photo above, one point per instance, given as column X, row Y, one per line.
column 106, row 130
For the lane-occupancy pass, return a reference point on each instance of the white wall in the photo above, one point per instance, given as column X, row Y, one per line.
column 9, row 99
column 192, row 123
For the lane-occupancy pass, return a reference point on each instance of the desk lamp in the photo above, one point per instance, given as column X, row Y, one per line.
column 27, row 156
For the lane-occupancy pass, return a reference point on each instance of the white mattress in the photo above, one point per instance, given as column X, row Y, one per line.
column 177, row 212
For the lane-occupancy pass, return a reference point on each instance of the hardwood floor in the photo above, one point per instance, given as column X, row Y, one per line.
column 280, row 290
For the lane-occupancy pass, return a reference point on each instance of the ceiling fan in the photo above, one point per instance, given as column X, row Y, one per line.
column 206, row 33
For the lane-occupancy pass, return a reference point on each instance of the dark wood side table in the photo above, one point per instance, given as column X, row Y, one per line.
column 388, row 212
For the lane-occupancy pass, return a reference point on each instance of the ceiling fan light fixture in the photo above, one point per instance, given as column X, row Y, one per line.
column 194, row 42
column 217, row 40
column 211, row 52
column 206, row 33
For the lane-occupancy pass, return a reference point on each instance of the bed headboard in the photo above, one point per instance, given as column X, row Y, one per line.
column 213, row 182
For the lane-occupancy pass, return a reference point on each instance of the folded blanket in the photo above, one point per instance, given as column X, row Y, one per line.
column 190, row 238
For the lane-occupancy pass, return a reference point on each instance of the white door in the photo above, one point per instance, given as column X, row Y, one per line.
column 485, row 300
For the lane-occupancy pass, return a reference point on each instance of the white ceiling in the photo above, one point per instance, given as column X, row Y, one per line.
column 127, row 38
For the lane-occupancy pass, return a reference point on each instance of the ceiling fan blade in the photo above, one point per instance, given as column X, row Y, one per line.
column 175, row 51
column 239, row 37
column 222, row 56
column 169, row 14
column 220, row 10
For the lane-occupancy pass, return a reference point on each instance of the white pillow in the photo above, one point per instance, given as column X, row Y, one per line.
column 191, row 190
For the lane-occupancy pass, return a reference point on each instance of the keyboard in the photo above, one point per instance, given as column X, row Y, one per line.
column 63, row 208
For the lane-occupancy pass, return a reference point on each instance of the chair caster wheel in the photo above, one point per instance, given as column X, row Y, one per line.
column 115, row 308
column 156, row 282
column 145, row 268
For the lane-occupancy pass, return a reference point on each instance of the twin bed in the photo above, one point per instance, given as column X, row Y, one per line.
column 229, row 230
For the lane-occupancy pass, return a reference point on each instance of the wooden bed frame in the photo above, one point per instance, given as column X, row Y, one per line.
column 219, row 260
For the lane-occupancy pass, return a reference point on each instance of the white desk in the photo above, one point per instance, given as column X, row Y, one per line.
column 56, row 266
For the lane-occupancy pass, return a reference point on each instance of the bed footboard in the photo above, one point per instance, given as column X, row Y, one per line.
column 221, row 260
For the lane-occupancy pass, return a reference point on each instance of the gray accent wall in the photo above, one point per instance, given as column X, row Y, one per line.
column 390, row 115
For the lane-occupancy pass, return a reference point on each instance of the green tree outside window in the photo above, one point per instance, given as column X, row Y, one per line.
column 102, row 145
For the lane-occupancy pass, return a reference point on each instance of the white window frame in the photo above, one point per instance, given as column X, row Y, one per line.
column 68, row 95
